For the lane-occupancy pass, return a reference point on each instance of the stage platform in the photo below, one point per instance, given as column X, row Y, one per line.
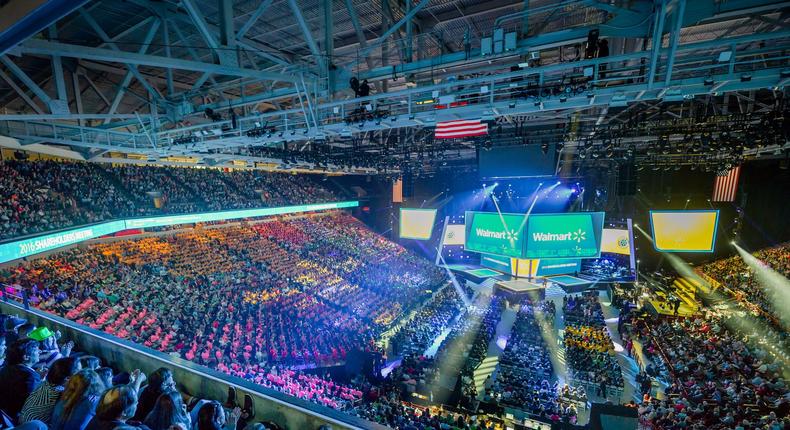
column 571, row 284
column 520, row 288
column 476, row 274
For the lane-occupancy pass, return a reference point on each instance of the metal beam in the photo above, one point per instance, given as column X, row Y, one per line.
column 169, row 71
column 96, row 89
column 105, row 38
column 127, row 79
column 22, row 76
column 329, row 42
column 129, row 31
column 71, row 116
column 226, row 30
column 395, row 27
column 57, row 68
column 679, row 12
column 200, row 23
column 40, row 47
column 202, row 80
column 253, row 18
column 658, row 36
column 308, row 36
column 75, row 81
column 20, row 92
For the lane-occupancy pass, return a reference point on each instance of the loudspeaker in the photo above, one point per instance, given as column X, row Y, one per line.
column 626, row 179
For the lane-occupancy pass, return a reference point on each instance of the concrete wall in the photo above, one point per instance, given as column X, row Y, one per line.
column 196, row 380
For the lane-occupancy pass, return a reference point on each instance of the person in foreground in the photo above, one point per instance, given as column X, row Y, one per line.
column 116, row 408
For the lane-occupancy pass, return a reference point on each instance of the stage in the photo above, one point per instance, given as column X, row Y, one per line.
column 509, row 284
column 517, row 289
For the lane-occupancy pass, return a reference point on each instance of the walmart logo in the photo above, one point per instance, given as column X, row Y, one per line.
column 578, row 236
column 507, row 234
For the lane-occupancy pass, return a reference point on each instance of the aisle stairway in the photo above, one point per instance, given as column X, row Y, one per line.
column 686, row 289
column 483, row 371
column 495, row 349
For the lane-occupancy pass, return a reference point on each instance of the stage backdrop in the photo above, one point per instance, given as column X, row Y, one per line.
column 540, row 236
column 567, row 235
column 495, row 233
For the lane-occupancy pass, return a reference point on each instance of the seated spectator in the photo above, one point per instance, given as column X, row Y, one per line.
column 18, row 377
column 160, row 382
column 169, row 410
column 40, row 404
column 213, row 417
column 77, row 404
column 116, row 409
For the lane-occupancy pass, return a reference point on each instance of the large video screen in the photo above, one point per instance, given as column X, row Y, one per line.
column 684, row 231
column 522, row 161
column 417, row 223
column 454, row 234
column 616, row 241
column 495, row 233
column 567, row 235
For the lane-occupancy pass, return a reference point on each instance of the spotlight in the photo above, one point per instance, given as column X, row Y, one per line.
column 732, row 242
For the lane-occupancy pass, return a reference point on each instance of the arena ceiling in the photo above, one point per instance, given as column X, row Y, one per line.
column 223, row 82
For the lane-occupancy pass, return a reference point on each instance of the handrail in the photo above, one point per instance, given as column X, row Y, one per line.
column 114, row 349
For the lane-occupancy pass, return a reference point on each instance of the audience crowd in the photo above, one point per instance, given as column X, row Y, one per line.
column 526, row 378
column 72, row 391
column 40, row 196
column 242, row 300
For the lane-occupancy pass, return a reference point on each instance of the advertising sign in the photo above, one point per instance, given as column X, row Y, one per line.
column 568, row 235
column 495, row 233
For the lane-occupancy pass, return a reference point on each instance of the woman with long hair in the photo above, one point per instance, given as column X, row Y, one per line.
column 77, row 404
column 159, row 382
column 169, row 410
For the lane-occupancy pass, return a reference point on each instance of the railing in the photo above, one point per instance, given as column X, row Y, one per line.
column 197, row 380
column 73, row 134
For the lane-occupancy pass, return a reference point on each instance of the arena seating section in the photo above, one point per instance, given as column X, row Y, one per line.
column 725, row 367
column 39, row 196
column 267, row 301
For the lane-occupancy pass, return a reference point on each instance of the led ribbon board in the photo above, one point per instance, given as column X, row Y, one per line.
column 417, row 223
column 495, row 233
column 27, row 247
column 567, row 235
column 684, row 231
column 502, row 264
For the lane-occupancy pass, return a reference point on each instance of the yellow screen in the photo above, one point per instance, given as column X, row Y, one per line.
column 527, row 267
column 616, row 241
column 454, row 234
column 417, row 223
column 684, row 231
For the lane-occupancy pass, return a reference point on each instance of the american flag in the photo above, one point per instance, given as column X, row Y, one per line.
column 460, row 128
column 726, row 185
